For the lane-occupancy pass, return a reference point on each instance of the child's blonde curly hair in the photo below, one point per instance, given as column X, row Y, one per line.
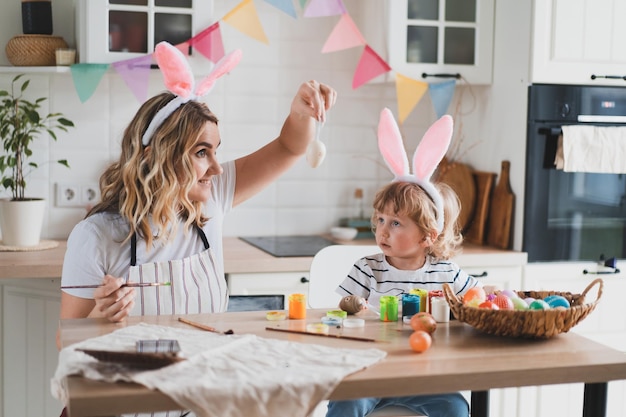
column 409, row 199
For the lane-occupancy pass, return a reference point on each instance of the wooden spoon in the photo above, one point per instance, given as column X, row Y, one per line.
column 316, row 151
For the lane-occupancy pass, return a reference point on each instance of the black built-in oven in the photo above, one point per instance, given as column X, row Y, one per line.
column 571, row 216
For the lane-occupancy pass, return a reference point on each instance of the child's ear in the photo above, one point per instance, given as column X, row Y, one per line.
column 429, row 239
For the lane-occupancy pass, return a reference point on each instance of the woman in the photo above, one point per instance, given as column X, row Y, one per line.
column 163, row 203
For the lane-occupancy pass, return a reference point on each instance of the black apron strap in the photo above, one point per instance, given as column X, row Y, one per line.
column 133, row 244
column 203, row 236
column 133, row 249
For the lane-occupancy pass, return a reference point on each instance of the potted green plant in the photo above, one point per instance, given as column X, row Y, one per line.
column 20, row 124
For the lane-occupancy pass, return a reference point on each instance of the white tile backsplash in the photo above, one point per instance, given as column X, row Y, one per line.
column 251, row 103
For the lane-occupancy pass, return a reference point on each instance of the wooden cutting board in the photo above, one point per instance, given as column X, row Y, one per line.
column 501, row 211
column 477, row 227
column 459, row 177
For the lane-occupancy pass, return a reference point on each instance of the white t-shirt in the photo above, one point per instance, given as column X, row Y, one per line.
column 372, row 277
column 94, row 246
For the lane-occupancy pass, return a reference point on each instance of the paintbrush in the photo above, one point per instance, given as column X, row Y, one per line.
column 203, row 326
column 130, row 284
column 336, row 336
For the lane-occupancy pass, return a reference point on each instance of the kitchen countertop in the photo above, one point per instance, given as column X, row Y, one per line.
column 239, row 258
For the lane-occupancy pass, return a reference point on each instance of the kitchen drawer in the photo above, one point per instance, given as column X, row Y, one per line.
column 607, row 323
column 502, row 277
column 268, row 283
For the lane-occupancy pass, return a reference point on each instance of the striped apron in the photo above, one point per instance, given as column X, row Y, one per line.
column 197, row 284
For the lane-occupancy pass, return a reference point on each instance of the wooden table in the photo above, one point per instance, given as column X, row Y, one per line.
column 461, row 358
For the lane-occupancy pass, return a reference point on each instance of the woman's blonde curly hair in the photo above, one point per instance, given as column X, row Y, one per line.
column 150, row 185
column 409, row 199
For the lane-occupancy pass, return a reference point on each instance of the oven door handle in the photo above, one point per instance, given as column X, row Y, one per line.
column 592, row 118
column 550, row 131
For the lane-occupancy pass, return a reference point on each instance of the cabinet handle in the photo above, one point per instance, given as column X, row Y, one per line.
column 483, row 275
column 304, row 280
column 441, row 75
column 615, row 271
column 609, row 77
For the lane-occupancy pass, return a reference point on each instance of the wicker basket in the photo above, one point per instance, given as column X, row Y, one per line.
column 526, row 323
column 34, row 50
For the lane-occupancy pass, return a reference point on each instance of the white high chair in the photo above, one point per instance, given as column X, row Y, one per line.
column 329, row 267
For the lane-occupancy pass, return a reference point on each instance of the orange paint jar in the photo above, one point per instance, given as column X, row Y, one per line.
column 297, row 306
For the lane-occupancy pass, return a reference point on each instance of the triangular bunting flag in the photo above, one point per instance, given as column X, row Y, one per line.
column 209, row 43
column 441, row 96
column 183, row 47
column 320, row 8
column 370, row 66
column 302, row 3
column 86, row 78
column 345, row 35
column 135, row 73
column 245, row 19
column 284, row 5
column 409, row 93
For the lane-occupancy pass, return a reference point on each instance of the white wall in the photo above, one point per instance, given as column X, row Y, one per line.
column 253, row 101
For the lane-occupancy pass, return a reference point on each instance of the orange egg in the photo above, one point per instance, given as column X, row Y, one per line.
column 420, row 341
column 489, row 304
column 475, row 293
column 423, row 321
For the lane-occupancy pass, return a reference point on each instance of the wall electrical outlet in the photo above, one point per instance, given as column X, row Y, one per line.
column 77, row 195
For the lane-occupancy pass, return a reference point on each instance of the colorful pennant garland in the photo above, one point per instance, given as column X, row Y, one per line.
column 244, row 17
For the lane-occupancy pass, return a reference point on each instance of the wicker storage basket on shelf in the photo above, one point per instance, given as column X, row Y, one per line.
column 526, row 323
column 33, row 50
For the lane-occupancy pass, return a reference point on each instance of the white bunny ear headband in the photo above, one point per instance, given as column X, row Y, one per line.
column 179, row 80
column 428, row 154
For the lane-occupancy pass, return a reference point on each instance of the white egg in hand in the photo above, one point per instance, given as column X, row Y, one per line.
column 316, row 151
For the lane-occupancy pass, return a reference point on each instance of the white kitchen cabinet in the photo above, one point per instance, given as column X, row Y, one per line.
column 116, row 30
column 28, row 352
column 269, row 283
column 575, row 39
column 419, row 37
column 606, row 324
column 502, row 277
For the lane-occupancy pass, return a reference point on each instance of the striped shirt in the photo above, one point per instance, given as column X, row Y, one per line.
column 372, row 277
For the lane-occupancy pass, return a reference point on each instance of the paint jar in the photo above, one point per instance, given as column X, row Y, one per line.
column 423, row 294
column 432, row 294
column 410, row 305
column 297, row 306
column 388, row 308
column 440, row 310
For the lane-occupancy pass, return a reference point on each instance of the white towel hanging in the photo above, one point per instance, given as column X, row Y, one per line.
column 596, row 149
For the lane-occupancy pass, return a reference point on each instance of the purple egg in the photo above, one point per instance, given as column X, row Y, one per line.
column 529, row 300
column 509, row 293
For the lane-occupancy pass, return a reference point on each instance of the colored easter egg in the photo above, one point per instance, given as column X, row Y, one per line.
column 420, row 341
column 489, row 305
column 509, row 293
column 519, row 304
column 474, row 293
column 529, row 300
column 474, row 303
column 423, row 321
column 539, row 305
column 557, row 301
column 503, row 302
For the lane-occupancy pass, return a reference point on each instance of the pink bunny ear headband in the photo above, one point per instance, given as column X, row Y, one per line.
column 179, row 80
column 428, row 154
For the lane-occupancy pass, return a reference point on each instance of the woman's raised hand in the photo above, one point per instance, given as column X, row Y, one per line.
column 113, row 301
column 314, row 99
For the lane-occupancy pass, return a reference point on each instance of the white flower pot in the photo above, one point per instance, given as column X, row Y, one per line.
column 21, row 221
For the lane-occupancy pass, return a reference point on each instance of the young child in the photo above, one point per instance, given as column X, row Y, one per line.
column 415, row 224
